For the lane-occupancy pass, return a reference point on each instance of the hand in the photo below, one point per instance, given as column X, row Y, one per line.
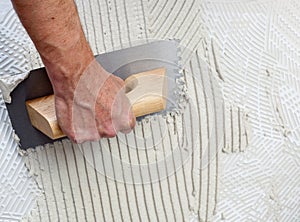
column 90, row 102
column 97, row 107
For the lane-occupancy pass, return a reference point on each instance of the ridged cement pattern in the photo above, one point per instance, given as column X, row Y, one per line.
column 18, row 189
column 182, row 20
column 259, row 60
column 251, row 47
column 17, row 53
column 237, row 130
column 73, row 177
column 13, row 53
column 176, row 19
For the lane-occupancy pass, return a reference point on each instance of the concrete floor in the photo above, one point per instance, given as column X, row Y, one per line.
column 241, row 67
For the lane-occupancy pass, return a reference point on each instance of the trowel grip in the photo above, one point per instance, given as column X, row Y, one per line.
column 146, row 92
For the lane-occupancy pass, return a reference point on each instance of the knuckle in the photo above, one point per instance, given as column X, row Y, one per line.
column 132, row 124
column 72, row 138
column 108, row 134
column 108, row 131
column 111, row 134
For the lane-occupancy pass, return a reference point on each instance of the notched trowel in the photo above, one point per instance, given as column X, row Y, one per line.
column 146, row 92
column 150, row 72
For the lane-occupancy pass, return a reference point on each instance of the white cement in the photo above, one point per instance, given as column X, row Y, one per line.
column 18, row 190
column 258, row 56
column 16, row 51
column 154, row 173
column 243, row 46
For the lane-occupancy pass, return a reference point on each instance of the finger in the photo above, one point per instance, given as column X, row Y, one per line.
column 82, row 140
column 107, row 135
column 107, row 130
column 128, row 129
column 132, row 119
column 130, row 123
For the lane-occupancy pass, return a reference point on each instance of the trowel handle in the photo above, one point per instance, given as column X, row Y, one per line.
column 146, row 92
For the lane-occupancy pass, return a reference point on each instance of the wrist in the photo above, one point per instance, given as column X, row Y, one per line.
column 87, row 80
column 65, row 65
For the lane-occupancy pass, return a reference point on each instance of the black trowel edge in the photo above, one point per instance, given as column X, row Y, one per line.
column 36, row 85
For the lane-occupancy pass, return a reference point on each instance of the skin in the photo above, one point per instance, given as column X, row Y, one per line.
column 90, row 102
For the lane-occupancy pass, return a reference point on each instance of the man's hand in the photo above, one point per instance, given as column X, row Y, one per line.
column 97, row 107
column 90, row 102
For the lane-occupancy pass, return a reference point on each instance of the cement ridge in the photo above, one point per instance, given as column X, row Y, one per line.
column 249, row 48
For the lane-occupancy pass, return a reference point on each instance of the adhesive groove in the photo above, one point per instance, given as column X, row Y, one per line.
column 18, row 190
column 250, row 48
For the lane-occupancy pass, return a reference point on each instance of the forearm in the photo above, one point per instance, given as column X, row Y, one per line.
column 55, row 29
column 94, row 107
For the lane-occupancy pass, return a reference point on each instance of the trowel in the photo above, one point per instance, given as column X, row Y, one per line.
column 146, row 92
column 149, row 70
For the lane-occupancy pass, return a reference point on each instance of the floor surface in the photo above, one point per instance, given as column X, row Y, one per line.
column 232, row 155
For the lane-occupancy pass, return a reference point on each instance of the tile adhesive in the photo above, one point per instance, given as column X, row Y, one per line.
column 238, row 159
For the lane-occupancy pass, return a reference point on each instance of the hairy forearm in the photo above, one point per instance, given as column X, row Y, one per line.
column 90, row 103
column 55, row 29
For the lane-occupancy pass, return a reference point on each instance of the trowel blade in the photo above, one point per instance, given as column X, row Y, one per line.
column 122, row 63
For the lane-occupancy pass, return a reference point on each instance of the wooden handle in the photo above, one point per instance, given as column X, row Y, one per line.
column 146, row 92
